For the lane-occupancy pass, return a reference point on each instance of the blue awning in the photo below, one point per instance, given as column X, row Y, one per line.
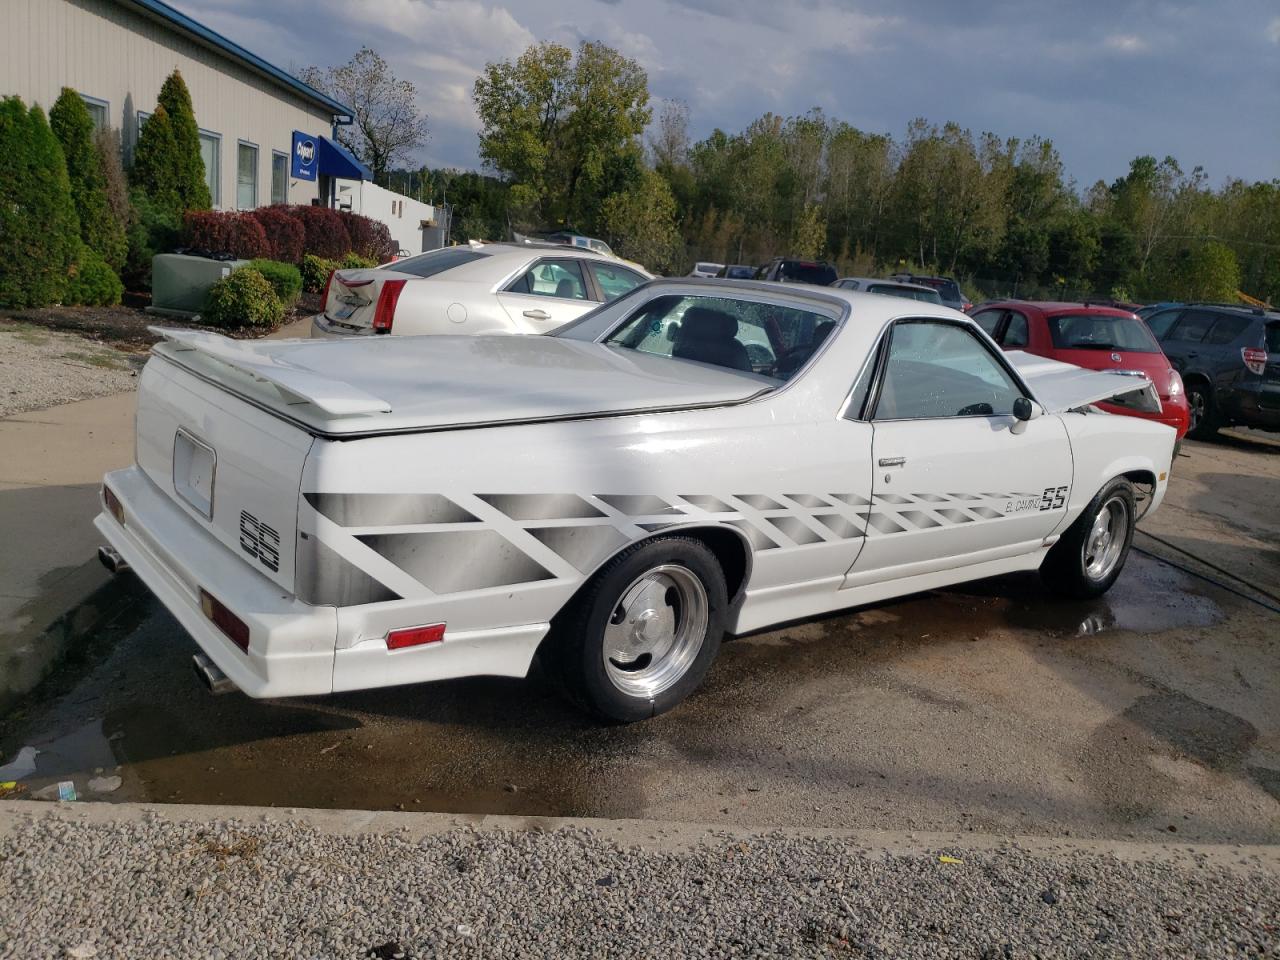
column 335, row 160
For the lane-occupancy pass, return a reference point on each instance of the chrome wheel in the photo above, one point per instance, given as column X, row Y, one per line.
column 1106, row 539
column 656, row 630
column 1196, row 402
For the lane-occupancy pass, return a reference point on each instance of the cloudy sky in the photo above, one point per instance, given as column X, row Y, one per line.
column 1105, row 79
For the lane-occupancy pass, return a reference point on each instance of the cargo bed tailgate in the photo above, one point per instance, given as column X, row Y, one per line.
column 233, row 468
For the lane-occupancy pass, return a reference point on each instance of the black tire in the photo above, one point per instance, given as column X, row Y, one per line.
column 1205, row 420
column 575, row 650
column 1067, row 569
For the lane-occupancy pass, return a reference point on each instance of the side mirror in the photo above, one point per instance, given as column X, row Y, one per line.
column 1023, row 411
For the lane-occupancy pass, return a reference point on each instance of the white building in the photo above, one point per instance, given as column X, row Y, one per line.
column 266, row 137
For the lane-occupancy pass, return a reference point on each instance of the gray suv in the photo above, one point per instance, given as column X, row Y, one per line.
column 1229, row 359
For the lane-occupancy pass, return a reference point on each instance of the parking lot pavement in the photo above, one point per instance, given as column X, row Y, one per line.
column 237, row 883
column 990, row 708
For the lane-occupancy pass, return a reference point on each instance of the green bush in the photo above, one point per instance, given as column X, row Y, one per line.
column 188, row 173
column 243, row 299
column 315, row 272
column 39, row 231
column 93, row 283
column 353, row 261
column 100, row 230
column 285, row 279
column 155, row 229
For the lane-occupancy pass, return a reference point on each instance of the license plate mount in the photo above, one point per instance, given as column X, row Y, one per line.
column 195, row 469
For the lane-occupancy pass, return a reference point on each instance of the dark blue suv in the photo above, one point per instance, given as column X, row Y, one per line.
column 1229, row 358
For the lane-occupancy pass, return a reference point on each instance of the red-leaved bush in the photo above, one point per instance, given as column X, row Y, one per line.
column 325, row 233
column 225, row 232
column 369, row 238
column 285, row 234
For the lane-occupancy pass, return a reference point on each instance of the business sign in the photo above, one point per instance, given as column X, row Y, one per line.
column 305, row 153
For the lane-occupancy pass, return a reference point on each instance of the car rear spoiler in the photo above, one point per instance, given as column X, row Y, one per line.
column 295, row 385
column 1064, row 386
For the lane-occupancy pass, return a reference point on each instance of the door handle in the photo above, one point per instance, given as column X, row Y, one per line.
column 537, row 314
column 892, row 461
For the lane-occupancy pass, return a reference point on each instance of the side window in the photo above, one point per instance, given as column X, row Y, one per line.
column 1227, row 329
column 552, row 278
column 615, row 281
column 1015, row 334
column 1161, row 323
column 942, row 370
column 988, row 320
column 1192, row 327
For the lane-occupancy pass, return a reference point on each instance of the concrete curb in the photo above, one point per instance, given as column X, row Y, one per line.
column 649, row 835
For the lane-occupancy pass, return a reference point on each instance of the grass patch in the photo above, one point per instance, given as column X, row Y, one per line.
column 26, row 332
column 105, row 361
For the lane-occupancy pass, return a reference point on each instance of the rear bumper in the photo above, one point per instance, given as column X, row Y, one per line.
column 324, row 328
column 291, row 644
column 295, row 648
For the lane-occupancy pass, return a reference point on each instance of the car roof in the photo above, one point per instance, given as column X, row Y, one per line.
column 1054, row 308
column 904, row 284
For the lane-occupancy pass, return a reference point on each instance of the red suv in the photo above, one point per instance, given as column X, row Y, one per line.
column 1099, row 338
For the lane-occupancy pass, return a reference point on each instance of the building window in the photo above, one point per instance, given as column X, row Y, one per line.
column 246, row 176
column 279, row 177
column 211, row 154
column 99, row 110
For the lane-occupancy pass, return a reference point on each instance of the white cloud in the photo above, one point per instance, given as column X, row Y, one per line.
column 1126, row 43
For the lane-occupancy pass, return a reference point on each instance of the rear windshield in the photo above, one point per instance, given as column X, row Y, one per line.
column 740, row 273
column 1089, row 332
column 947, row 289
column 1272, row 337
column 709, row 267
column 802, row 271
column 765, row 339
column 437, row 261
column 893, row 290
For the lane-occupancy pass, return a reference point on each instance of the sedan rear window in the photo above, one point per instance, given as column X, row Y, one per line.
column 893, row 290
column 437, row 261
column 762, row 338
column 1096, row 332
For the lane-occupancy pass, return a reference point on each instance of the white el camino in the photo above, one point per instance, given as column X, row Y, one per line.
column 695, row 459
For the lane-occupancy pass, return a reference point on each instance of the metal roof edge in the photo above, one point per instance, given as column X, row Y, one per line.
column 162, row 11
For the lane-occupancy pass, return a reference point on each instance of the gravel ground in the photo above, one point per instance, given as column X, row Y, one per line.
column 40, row 368
column 154, row 887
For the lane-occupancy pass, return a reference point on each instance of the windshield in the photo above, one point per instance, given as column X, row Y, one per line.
column 762, row 338
column 437, row 261
column 893, row 290
column 740, row 273
column 1100, row 332
column 802, row 271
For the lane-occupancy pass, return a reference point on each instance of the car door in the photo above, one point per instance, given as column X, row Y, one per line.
column 1182, row 343
column 547, row 294
column 957, row 478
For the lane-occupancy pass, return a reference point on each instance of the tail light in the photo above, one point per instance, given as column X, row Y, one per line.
column 1255, row 358
column 237, row 630
column 384, row 314
column 324, row 297
column 113, row 504
column 415, row 636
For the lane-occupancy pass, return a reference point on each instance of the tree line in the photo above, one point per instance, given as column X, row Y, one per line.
column 571, row 140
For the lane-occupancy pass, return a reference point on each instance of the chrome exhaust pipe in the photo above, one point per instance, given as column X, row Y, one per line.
column 214, row 679
column 112, row 560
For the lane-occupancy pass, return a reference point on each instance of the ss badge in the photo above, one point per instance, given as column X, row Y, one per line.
column 260, row 541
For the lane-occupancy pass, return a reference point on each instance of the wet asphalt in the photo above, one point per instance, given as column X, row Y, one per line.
column 992, row 707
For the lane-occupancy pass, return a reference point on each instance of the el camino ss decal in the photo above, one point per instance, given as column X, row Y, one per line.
column 461, row 542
